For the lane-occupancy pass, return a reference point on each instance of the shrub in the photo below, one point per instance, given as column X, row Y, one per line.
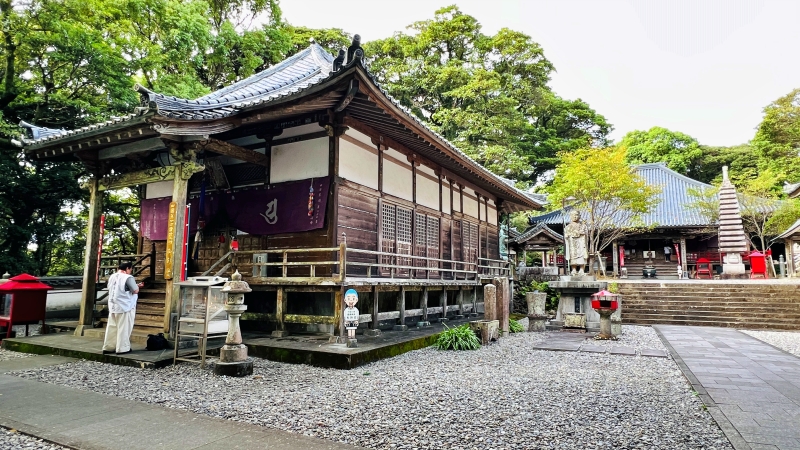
column 515, row 327
column 458, row 338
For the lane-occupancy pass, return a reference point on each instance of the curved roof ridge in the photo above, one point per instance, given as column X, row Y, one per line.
column 312, row 50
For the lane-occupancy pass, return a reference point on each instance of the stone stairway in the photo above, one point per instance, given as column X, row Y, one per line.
column 710, row 303
column 664, row 270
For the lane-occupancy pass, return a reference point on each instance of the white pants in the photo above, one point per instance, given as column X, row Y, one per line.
column 118, row 331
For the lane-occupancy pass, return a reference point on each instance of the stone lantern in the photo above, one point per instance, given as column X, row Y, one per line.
column 606, row 304
column 233, row 360
column 536, row 314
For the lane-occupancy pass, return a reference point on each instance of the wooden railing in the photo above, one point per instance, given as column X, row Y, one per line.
column 141, row 262
column 339, row 263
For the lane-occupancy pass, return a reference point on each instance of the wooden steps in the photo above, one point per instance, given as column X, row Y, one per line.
column 738, row 305
column 149, row 310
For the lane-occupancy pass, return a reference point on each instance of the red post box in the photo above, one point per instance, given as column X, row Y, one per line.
column 23, row 300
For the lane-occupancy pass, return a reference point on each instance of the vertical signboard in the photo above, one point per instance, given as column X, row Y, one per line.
column 169, row 257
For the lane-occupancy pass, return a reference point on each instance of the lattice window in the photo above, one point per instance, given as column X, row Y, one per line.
column 403, row 237
column 469, row 232
column 433, row 244
column 420, row 242
column 388, row 236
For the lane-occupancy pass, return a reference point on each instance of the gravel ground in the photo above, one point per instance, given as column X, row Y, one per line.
column 635, row 336
column 5, row 355
column 785, row 340
column 503, row 396
column 10, row 439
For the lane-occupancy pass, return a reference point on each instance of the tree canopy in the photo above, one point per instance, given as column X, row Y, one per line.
column 606, row 190
column 486, row 93
column 681, row 152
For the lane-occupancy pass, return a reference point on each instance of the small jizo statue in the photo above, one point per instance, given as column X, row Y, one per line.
column 351, row 313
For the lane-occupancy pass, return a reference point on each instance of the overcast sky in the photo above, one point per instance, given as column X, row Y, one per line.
column 703, row 67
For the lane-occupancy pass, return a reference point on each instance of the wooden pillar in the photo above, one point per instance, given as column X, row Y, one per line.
column 90, row 259
column 180, row 189
column 684, row 265
column 401, row 307
column 615, row 257
column 375, row 298
column 443, row 304
column 280, row 313
column 338, row 314
column 474, row 301
column 460, row 304
column 790, row 269
column 424, row 322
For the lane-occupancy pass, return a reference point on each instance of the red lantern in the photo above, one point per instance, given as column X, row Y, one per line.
column 234, row 244
column 605, row 300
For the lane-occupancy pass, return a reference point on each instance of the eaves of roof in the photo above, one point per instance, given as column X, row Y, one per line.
column 791, row 231
column 533, row 231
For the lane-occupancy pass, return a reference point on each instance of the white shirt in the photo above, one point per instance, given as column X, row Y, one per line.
column 120, row 300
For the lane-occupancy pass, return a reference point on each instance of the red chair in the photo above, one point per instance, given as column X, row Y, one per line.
column 758, row 265
column 703, row 268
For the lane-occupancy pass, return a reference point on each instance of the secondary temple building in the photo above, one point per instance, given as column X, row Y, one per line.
column 309, row 179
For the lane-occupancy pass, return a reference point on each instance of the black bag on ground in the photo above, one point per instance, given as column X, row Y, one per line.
column 156, row 341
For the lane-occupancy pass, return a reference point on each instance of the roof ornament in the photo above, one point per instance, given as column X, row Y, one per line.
column 338, row 61
column 355, row 52
column 147, row 99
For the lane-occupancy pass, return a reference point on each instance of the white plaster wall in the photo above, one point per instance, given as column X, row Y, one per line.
column 470, row 204
column 446, row 198
column 492, row 215
column 456, row 198
column 299, row 160
column 358, row 164
column 427, row 189
column 360, row 137
column 159, row 189
column 397, row 176
column 299, row 131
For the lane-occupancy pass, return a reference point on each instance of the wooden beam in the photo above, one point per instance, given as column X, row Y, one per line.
column 152, row 175
column 234, row 151
column 120, row 151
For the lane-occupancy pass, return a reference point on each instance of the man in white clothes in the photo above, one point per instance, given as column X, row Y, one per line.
column 122, row 295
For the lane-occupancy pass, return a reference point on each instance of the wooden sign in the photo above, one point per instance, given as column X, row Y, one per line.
column 170, row 256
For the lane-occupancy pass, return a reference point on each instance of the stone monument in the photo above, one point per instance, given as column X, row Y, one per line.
column 233, row 360
column 575, row 236
column 732, row 239
column 536, row 315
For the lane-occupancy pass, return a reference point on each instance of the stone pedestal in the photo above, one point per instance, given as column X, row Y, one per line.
column 487, row 330
column 372, row 332
column 575, row 320
column 605, row 324
column 733, row 266
column 423, row 324
column 280, row 333
column 536, row 314
column 400, row 328
column 352, row 343
column 233, row 360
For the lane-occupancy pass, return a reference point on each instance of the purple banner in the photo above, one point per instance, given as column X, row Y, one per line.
column 288, row 207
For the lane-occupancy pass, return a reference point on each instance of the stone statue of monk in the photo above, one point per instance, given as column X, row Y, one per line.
column 575, row 234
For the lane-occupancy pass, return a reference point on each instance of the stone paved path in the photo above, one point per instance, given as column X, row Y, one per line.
column 574, row 342
column 750, row 388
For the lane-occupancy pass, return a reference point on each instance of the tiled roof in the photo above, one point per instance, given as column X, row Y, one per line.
column 792, row 230
column 671, row 210
column 792, row 190
column 297, row 73
column 539, row 228
column 294, row 74
column 35, row 135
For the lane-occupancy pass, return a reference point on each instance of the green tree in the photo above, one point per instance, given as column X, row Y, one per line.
column 679, row 151
column 778, row 137
column 331, row 39
column 486, row 93
column 606, row 190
